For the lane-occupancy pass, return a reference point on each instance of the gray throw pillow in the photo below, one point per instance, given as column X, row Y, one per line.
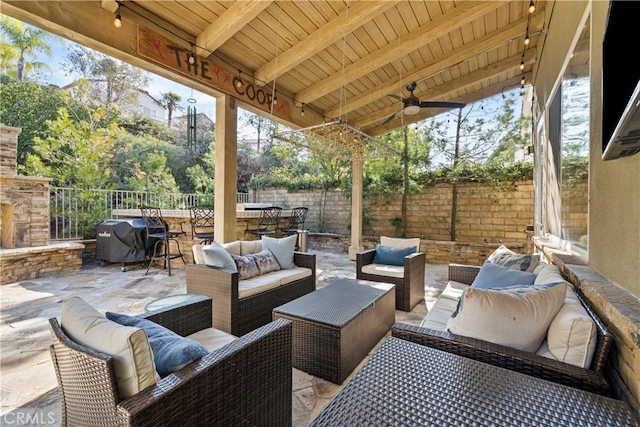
column 217, row 256
column 282, row 249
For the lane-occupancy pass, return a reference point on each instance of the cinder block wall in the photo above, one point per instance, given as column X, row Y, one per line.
column 485, row 214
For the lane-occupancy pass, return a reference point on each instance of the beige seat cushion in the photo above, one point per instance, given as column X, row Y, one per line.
column 445, row 305
column 548, row 274
column 198, row 253
column 212, row 338
column 132, row 356
column 394, row 242
column 517, row 318
column 290, row 275
column 384, row 270
column 257, row 284
column 232, row 247
column 572, row 335
column 250, row 247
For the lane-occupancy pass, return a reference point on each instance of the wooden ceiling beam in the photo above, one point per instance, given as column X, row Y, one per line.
column 476, row 96
column 509, row 64
column 110, row 5
column 333, row 31
column 239, row 14
column 440, row 26
column 487, row 42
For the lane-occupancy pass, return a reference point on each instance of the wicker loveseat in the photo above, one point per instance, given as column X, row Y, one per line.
column 228, row 386
column 239, row 306
column 460, row 277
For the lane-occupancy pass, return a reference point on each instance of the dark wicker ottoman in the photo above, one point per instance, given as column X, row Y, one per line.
column 408, row 384
column 335, row 327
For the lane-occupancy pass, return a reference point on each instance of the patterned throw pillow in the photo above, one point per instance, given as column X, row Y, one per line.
column 265, row 261
column 246, row 265
column 508, row 258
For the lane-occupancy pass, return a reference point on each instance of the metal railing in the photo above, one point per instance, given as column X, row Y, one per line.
column 75, row 212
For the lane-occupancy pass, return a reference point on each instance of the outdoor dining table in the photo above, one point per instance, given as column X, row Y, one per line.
column 408, row 384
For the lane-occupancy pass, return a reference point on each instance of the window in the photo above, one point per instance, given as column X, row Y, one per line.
column 574, row 142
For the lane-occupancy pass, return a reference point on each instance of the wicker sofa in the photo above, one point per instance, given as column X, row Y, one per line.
column 460, row 277
column 239, row 306
column 228, row 386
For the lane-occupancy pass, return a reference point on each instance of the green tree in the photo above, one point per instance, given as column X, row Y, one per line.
column 27, row 41
column 170, row 101
column 75, row 153
column 32, row 116
column 107, row 81
column 481, row 136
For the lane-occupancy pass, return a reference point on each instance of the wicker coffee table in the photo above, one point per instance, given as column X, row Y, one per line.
column 335, row 327
column 407, row 384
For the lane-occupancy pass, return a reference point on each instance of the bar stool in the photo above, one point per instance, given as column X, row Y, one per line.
column 202, row 225
column 157, row 228
column 268, row 222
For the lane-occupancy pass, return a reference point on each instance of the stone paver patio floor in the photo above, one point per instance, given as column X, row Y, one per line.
column 28, row 386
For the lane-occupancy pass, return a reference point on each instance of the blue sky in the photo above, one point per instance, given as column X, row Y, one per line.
column 157, row 85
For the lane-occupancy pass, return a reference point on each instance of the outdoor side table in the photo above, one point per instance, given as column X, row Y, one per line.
column 335, row 327
column 408, row 384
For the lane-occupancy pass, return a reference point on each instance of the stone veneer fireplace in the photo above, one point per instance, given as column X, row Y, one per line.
column 24, row 201
column 25, row 251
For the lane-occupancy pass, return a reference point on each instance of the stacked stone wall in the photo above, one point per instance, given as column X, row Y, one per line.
column 32, row 263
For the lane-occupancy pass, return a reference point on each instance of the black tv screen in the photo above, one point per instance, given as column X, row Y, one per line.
column 620, row 74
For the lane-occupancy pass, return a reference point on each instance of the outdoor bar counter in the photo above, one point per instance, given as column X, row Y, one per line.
column 178, row 217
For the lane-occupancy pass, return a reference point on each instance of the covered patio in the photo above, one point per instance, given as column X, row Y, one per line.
column 313, row 64
column 29, row 382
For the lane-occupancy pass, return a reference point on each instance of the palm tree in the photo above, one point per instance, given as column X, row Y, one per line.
column 26, row 40
column 170, row 101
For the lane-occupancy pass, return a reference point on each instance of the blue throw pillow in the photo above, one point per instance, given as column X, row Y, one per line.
column 496, row 276
column 171, row 352
column 282, row 249
column 392, row 256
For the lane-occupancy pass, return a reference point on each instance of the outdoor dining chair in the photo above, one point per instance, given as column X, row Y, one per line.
column 202, row 225
column 268, row 222
column 158, row 228
column 296, row 221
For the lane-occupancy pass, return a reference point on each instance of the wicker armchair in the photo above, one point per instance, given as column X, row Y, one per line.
column 409, row 288
column 237, row 315
column 591, row 379
column 229, row 386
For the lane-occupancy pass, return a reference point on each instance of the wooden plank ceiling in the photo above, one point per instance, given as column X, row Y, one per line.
column 342, row 59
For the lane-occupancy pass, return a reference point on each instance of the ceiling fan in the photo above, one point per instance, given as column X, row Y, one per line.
column 412, row 104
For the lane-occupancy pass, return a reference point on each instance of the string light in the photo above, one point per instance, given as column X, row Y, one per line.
column 302, row 111
column 117, row 21
column 522, row 65
column 191, row 58
column 522, row 81
column 532, row 7
column 275, row 98
column 239, row 82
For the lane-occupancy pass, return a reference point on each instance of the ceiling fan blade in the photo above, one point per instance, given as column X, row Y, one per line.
column 391, row 117
column 396, row 97
column 438, row 104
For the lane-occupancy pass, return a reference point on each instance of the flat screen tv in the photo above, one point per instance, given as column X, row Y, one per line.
column 621, row 81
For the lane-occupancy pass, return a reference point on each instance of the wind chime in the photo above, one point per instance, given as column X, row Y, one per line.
column 191, row 123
